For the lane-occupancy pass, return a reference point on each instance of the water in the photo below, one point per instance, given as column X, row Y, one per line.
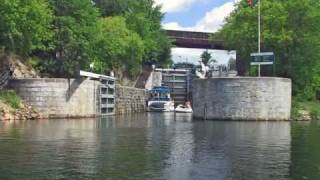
column 158, row 146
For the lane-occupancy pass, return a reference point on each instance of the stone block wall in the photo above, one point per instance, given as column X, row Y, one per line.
column 242, row 98
column 130, row 100
column 155, row 79
column 59, row 98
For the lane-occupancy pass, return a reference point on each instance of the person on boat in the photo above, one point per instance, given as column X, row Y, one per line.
column 187, row 104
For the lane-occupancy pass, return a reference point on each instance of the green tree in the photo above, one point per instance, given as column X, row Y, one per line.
column 206, row 57
column 144, row 18
column 290, row 29
column 75, row 25
column 25, row 25
column 112, row 7
column 117, row 47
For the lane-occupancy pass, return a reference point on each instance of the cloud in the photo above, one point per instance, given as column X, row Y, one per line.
column 193, row 55
column 211, row 22
column 177, row 26
column 170, row 6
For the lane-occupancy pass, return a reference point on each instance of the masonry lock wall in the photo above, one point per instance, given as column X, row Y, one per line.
column 242, row 98
column 62, row 98
column 130, row 100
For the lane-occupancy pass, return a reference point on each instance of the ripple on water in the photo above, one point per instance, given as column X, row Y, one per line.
column 158, row 146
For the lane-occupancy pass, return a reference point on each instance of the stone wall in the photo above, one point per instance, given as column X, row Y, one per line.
column 130, row 100
column 155, row 79
column 59, row 98
column 244, row 98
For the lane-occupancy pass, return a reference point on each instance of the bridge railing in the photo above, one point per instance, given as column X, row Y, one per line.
column 188, row 34
column 190, row 39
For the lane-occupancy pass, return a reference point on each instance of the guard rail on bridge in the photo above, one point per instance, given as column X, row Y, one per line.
column 190, row 39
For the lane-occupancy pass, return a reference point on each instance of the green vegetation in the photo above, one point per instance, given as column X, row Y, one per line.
column 11, row 98
column 295, row 110
column 125, row 47
column 63, row 36
column 206, row 57
column 312, row 107
column 25, row 25
column 291, row 30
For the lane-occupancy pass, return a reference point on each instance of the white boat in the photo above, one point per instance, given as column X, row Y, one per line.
column 160, row 100
column 161, row 106
column 183, row 109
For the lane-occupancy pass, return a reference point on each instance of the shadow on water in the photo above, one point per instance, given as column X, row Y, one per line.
column 158, row 146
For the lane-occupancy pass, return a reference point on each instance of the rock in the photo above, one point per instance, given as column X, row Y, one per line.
column 25, row 112
column 6, row 116
column 29, row 116
column 304, row 115
column 34, row 115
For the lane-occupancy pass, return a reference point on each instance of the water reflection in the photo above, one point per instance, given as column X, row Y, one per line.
column 157, row 146
column 305, row 151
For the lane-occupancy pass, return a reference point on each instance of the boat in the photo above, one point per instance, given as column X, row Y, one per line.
column 160, row 99
column 184, row 108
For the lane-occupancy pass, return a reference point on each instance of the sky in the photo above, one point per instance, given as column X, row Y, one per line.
column 196, row 15
column 193, row 55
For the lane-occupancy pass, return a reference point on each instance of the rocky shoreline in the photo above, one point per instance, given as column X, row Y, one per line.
column 25, row 112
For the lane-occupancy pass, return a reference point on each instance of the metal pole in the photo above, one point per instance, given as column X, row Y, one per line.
column 259, row 32
column 259, row 26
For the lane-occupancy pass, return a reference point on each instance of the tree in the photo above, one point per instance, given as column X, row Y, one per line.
column 116, row 47
column 290, row 29
column 112, row 7
column 206, row 57
column 63, row 36
column 25, row 25
column 144, row 18
column 74, row 25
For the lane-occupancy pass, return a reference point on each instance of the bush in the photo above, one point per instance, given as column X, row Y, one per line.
column 315, row 113
column 312, row 107
column 47, row 66
column 295, row 110
column 11, row 98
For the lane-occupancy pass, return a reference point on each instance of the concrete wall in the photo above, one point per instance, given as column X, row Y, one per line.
column 59, row 97
column 130, row 100
column 244, row 98
column 155, row 79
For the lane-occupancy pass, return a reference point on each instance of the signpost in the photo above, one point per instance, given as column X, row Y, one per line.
column 262, row 58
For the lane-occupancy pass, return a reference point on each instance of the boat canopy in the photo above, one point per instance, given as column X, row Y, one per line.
column 161, row 89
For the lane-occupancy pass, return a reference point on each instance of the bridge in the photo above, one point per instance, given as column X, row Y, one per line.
column 201, row 40
column 189, row 39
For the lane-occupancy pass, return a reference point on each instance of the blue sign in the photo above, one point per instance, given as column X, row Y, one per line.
column 263, row 58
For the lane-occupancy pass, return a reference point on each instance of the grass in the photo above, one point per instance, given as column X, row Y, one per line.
column 312, row 107
column 11, row 98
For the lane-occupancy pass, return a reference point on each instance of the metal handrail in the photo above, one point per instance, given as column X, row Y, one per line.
column 4, row 79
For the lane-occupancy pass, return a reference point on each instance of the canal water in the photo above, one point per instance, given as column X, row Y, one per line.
column 158, row 146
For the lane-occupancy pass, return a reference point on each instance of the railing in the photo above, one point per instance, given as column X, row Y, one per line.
column 4, row 79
